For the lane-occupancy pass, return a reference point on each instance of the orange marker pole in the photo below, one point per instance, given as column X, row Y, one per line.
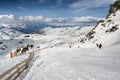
column 11, row 55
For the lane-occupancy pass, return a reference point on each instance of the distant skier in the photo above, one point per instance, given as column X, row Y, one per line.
column 100, row 46
column 97, row 45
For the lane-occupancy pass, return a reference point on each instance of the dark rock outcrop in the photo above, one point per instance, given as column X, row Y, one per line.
column 114, row 7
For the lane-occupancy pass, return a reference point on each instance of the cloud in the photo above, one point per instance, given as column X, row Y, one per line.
column 31, row 18
column 47, row 20
column 87, row 4
column 7, row 17
column 42, row 19
column 21, row 8
column 86, row 19
column 37, row 20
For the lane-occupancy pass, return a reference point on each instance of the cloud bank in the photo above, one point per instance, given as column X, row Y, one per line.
column 59, row 19
column 35, row 20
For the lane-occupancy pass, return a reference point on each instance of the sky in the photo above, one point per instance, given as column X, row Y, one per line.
column 56, row 8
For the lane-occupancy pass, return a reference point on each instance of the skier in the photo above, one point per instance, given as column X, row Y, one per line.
column 100, row 46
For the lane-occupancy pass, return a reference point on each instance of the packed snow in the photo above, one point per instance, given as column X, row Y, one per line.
column 74, row 63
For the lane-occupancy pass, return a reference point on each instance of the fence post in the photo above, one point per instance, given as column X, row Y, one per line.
column 18, row 69
column 26, row 62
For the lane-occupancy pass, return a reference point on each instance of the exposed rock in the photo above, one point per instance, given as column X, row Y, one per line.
column 1, row 42
column 114, row 7
column 114, row 28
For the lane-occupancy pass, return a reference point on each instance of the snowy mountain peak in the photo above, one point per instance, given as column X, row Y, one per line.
column 114, row 7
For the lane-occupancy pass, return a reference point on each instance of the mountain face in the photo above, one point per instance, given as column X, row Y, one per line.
column 114, row 7
column 107, row 31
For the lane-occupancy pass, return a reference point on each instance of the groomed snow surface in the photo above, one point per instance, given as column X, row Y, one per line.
column 60, row 62
column 74, row 63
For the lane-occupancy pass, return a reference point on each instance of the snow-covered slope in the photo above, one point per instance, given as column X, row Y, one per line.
column 66, row 36
column 107, row 31
column 6, row 33
column 10, row 45
column 76, row 64
column 51, row 38
column 8, row 24
column 70, row 31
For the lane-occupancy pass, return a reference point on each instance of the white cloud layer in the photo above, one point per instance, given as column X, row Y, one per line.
column 59, row 19
column 47, row 20
column 10, row 17
column 31, row 18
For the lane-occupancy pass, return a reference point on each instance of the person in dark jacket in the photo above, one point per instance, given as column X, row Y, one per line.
column 100, row 46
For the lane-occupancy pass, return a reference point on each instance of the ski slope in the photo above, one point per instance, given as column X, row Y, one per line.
column 60, row 62
column 76, row 64
column 45, row 41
